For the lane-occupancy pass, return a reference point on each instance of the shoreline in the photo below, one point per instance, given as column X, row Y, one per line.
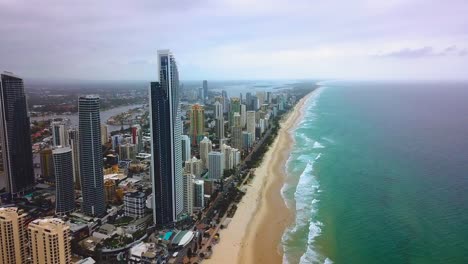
column 255, row 233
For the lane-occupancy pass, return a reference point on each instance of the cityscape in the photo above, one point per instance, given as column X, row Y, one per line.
column 233, row 132
column 154, row 183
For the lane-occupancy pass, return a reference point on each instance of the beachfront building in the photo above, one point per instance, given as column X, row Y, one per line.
column 186, row 148
column 205, row 147
column 243, row 115
column 16, row 170
column 197, row 124
column 91, row 163
column 64, row 188
column 198, row 194
column 13, row 236
column 246, row 140
column 50, row 241
column 188, row 193
column 215, row 165
column 219, row 127
column 166, row 142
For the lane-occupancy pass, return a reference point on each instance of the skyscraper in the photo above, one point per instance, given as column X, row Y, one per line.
column 92, row 178
column 104, row 134
column 16, row 164
column 13, row 236
column 243, row 114
column 251, row 124
column 205, row 147
column 59, row 134
column 65, row 193
column 219, row 126
column 218, row 110
column 215, row 165
column 205, row 89
column 50, row 241
column 197, row 124
column 47, row 163
column 166, row 132
column 73, row 143
column 198, row 194
column 188, row 193
column 236, row 138
column 235, row 108
column 186, row 149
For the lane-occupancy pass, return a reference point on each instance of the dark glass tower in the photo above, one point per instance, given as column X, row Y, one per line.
column 16, row 165
column 166, row 132
column 65, row 191
column 205, row 90
column 92, row 178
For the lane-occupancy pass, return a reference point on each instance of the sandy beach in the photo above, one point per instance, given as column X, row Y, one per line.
column 254, row 234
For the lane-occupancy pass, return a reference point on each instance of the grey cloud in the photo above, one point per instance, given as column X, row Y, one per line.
column 423, row 52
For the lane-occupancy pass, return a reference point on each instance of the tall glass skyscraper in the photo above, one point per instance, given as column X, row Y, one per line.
column 16, row 164
column 166, row 131
column 92, row 178
column 65, row 191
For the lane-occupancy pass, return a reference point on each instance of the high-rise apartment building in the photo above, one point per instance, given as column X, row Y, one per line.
column 104, row 134
column 197, row 124
column 134, row 204
column 243, row 114
column 186, row 148
column 205, row 148
column 91, row 160
column 219, row 127
column 219, row 112
column 166, row 132
column 47, row 164
column 16, row 163
column 198, row 193
column 73, row 140
column 215, row 165
column 13, row 236
column 59, row 134
column 251, row 124
column 235, row 107
column 188, row 193
column 65, row 192
column 236, row 137
column 50, row 241
column 194, row 166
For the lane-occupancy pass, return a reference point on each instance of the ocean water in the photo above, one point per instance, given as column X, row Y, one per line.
column 379, row 174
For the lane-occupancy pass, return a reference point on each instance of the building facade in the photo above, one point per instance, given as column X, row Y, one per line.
column 64, row 188
column 215, row 165
column 59, row 134
column 16, row 162
column 197, row 124
column 73, row 142
column 13, row 236
column 91, row 160
column 251, row 124
column 166, row 149
column 134, row 204
column 50, row 241
column 206, row 146
column 188, row 193
column 198, row 194
column 186, row 148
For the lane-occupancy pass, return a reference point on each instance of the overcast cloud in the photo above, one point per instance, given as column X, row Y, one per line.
column 235, row 39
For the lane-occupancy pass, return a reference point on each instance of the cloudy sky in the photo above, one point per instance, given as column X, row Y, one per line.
column 236, row 39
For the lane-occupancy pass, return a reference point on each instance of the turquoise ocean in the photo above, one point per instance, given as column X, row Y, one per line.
column 379, row 174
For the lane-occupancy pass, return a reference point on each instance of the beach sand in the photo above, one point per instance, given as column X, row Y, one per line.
column 255, row 232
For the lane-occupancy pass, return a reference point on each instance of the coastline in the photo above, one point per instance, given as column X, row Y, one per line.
column 255, row 232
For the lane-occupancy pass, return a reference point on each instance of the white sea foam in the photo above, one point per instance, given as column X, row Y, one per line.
column 318, row 156
column 317, row 145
